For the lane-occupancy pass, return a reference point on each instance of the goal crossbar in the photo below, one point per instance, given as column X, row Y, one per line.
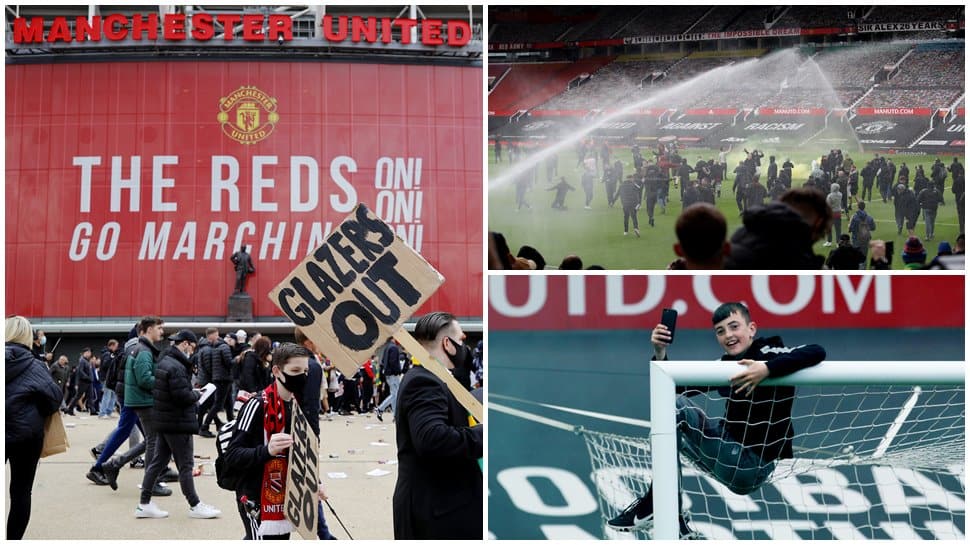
column 665, row 376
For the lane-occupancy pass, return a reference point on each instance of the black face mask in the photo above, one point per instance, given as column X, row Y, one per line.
column 462, row 360
column 296, row 384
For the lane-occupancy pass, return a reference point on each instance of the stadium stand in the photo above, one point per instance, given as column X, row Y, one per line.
column 899, row 14
column 754, row 17
column 924, row 68
column 876, row 70
column 910, row 98
column 528, row 85
column 815, row 16
column 656, row 20
column 608, row 22
column 719, row 18
column 614, row 82
column 495, row 73
column 535, row 25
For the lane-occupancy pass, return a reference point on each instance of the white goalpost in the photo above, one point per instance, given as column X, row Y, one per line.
column 935, row 443
column 900, row 425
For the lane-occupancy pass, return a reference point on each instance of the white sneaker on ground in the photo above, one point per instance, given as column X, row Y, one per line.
column 149, row 511
column 204, row 511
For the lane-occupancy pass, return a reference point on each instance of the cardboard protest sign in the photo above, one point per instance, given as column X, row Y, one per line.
column 302, row 480
column 356, row 290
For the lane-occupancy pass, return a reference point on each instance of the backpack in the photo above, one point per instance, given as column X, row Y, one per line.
column 227, row 477
column 863, row 234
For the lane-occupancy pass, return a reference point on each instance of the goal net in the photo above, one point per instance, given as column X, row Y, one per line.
column 870, row 462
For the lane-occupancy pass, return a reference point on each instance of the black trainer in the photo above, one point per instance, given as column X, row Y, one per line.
column 638, row 515
column 110, row 472
column 97, row 477
column 137, row 463
column 95, row 452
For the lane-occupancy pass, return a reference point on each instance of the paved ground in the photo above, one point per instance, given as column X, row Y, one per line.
column 68, row 506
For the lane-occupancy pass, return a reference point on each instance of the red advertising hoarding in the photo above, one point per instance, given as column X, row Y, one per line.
column 636, row 301
column 894, row 111
column 792, row 111
column 129, row 185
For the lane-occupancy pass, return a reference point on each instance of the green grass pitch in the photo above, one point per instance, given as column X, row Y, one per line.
column 596, row 235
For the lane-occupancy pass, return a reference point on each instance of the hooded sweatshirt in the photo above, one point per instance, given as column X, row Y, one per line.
column 763, row 421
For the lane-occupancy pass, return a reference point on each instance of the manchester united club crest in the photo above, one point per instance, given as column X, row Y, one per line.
column 248, row 115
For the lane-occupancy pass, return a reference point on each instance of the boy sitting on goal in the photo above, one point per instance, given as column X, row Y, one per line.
column 740, row 449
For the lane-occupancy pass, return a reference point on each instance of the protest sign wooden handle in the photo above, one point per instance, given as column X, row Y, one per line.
column 463, row 396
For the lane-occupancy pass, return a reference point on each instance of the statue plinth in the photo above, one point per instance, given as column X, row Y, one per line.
column 240, row 308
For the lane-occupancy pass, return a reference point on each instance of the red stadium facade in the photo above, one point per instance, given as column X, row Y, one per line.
column 129, row 184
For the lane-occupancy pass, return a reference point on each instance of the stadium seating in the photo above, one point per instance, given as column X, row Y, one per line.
column 719, row 18
column 930, row 68
column 541, row 24
column 855, row 66
column 528, row 85
column 902, row 14
column 608, row 21
column 495, row 73
column 754, row 17
column 662, row 20
column 815, row 17
column 614, row 82
column 910, row 98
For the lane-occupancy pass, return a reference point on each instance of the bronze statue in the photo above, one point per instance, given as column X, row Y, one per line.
column 243, row 263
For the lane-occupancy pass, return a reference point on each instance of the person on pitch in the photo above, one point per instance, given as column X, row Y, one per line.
column 740, row 449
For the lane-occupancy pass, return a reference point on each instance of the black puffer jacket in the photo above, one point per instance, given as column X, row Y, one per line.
column 175, row 400
column 773, row 237
column 218, row 357
column 253, row 376
column 31, row 395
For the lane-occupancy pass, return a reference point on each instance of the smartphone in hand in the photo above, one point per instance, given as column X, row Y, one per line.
column 669, row 319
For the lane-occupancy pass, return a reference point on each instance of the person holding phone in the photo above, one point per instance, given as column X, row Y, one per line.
column 740, row 449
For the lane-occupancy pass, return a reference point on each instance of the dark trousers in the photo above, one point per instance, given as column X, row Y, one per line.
column 611, row 192
column 178, row 446
column 23, row 457
column 629, row 212
column 151, row 437
column 82, row 388
column 366, row 396
column 219, row 398
column 651, row 204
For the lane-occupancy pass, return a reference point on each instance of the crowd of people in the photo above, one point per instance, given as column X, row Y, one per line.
column 165, row 394
column 782, row 219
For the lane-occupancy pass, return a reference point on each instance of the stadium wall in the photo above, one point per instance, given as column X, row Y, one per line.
column 130, row 184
